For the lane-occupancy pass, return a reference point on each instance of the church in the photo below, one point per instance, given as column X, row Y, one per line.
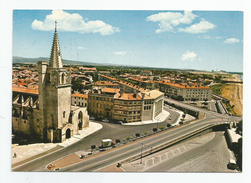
column 47, row 112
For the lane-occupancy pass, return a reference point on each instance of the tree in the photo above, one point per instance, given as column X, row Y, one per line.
column 155, row 130
column 137, row 135
column 117, row 141
column 93, row 147
column 168, row 125
column 77, row 84
column 239, row 128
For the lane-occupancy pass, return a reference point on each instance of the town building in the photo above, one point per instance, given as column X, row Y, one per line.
column 185, row 91
column 48, row 112
column 146, row 73
column 79, row 99
column 117, row 105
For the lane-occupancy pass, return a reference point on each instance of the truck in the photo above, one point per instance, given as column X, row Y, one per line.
column 107, row 142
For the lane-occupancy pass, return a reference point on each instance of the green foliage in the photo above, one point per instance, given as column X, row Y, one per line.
column 217, row 79
column 127, row 138
column 218, row 88
column 162, row 127
column 117, row 140
column 168, row 125
column 239, row 127
column 155, row 130
column 137, row 134
column 77, row 84
column 146, row 133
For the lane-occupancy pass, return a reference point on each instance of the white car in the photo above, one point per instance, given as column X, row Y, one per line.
column 91, row 118
column 105, row 120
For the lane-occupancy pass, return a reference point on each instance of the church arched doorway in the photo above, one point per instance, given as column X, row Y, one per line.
column 80, row 120
column 68, row 133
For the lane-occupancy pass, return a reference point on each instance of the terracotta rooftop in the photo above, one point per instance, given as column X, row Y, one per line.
column 88, row 69
column 24, row 90
column 184, row 86
column 110, row 90
column 135, row 79
column 127, row 96
column 111, row 78
column 79, row 95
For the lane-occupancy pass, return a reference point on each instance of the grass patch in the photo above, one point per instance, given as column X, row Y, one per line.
column 217, row 89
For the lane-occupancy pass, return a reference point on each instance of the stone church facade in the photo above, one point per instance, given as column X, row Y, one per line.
column 48, row 112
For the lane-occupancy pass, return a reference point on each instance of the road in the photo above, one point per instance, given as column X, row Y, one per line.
column 109, row 130
column 125, row 152
column 212, row 156
column 117, row 131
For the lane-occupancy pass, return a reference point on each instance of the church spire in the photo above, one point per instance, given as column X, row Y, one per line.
column 55, row 59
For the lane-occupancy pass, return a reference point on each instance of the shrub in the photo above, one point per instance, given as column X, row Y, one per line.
column 137, row 135
column 146, row 133
column 117, row 141
column 162, row 127
column 127, row 138
column 155, row 130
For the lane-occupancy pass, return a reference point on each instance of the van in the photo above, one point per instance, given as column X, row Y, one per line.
column 232, row 164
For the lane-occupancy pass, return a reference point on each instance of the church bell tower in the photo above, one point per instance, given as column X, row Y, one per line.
column 54, row 94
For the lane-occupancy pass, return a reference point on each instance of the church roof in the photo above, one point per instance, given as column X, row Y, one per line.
column 55, row 59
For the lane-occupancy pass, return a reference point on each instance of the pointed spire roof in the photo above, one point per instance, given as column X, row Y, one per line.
column 55, row 59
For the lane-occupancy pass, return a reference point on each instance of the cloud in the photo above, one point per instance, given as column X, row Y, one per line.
column 73, row 23
column 168, row 20
column 201, row 27
column 189, row 56
column 231, row 41
column 81, row 48
column 205, row 37
column 122, row 53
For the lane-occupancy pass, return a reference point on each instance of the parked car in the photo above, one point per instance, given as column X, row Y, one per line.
column 170, row 117
column 105, row 120
column 91, row 117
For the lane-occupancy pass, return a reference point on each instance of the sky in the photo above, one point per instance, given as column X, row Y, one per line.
column 203, row 40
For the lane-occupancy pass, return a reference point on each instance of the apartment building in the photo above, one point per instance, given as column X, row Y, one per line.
column 101, row 102
column 79, row 99
column 185, row 91
column 117, row 105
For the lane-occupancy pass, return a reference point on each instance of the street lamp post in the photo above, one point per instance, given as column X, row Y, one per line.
column 141, row 152
column 157, row 123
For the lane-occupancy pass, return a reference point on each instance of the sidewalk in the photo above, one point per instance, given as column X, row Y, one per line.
column 24, row 152
column 158, row 119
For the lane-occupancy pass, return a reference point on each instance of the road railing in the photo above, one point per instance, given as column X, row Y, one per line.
column 169, row 143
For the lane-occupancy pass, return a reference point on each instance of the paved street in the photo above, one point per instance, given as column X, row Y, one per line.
column 206, row 153
column 109, row 130
column 117, row 131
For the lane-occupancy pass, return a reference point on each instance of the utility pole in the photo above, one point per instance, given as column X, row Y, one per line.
column 141, row 152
